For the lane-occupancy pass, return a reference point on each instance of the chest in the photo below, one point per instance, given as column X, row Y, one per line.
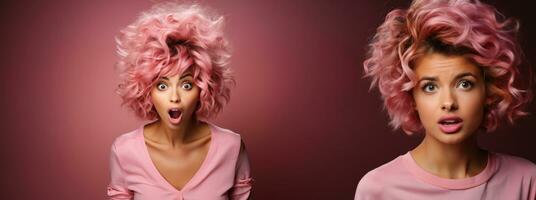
column 178, row 166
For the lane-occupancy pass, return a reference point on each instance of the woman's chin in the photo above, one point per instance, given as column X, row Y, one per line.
column 451, row 138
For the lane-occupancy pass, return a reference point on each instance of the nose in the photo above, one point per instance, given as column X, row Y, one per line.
column 449, row 102
column 174, row 98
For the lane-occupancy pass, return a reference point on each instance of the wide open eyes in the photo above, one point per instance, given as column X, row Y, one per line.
column 187, row 86
column 161, row 86
column 429, row 87
column 464, row 84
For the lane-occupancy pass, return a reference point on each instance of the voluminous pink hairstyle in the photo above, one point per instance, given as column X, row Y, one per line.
column 170, row 39
column 455, row 27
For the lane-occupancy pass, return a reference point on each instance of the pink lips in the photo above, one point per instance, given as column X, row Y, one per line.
column 450, row 124
column 175, row 115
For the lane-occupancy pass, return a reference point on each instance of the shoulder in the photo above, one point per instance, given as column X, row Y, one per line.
column 225, row 136
column 126, row 142
column 376, row 181
column 516, row 164
column 227, row 144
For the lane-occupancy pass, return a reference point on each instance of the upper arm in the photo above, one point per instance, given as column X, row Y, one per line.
column 117, row 188
column 532, row 192
column 243, row 180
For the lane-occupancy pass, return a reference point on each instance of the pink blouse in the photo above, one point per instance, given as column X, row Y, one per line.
column 224, row 174
column 505, row 177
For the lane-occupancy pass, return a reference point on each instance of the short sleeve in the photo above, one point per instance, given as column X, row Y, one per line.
column 117, row 188
column 532, row 192
column 243, row 180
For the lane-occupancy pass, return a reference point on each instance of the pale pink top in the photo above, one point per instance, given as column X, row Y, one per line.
column 504, row 178
column 224, row 174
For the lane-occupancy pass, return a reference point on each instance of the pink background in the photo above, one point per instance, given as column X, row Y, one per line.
column 311, row 126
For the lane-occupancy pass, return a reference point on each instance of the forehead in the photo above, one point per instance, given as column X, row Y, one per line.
column 440, row 65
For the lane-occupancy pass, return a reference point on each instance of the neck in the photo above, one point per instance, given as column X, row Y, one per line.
column 452, row 161
column 178, row 135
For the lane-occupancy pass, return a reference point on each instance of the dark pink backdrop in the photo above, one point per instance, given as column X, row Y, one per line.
column 311, row 127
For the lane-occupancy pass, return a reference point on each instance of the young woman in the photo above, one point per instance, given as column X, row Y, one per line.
column 448, row 69
column 173, row 62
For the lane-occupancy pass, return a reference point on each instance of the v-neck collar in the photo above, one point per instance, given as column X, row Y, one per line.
column 197, row 175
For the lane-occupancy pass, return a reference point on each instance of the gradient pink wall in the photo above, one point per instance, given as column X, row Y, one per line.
column 311, row 126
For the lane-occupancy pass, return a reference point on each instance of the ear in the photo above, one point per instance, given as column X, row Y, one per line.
column 490, row 92
column 413, row 104
column 488, row 102
column 153, row 110
column 490, row 99
column 197, row 105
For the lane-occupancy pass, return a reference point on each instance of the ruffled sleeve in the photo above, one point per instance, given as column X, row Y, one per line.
column 117, row 188
column 243, row 180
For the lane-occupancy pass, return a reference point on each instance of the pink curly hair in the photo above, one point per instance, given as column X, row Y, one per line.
column 455, row 27
column 169, row 39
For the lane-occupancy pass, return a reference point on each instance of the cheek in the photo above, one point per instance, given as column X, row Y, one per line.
column 156, row 99
column 423, row 103
column 473, row 104
column 191, row 100
column 425, row 108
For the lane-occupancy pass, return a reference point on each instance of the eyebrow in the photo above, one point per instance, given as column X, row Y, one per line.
column 434, row 78
column 183, row 76
column 465, row 74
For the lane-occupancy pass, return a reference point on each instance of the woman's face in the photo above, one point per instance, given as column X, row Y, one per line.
column 175, row 99
column 449, row 97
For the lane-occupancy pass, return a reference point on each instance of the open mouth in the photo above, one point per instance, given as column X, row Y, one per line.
column 174, row 115
column 450, row 124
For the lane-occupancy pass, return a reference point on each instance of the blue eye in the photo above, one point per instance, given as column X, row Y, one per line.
column 187, row 86
column 465, row 84
column 429, row 87
column 161, row 86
